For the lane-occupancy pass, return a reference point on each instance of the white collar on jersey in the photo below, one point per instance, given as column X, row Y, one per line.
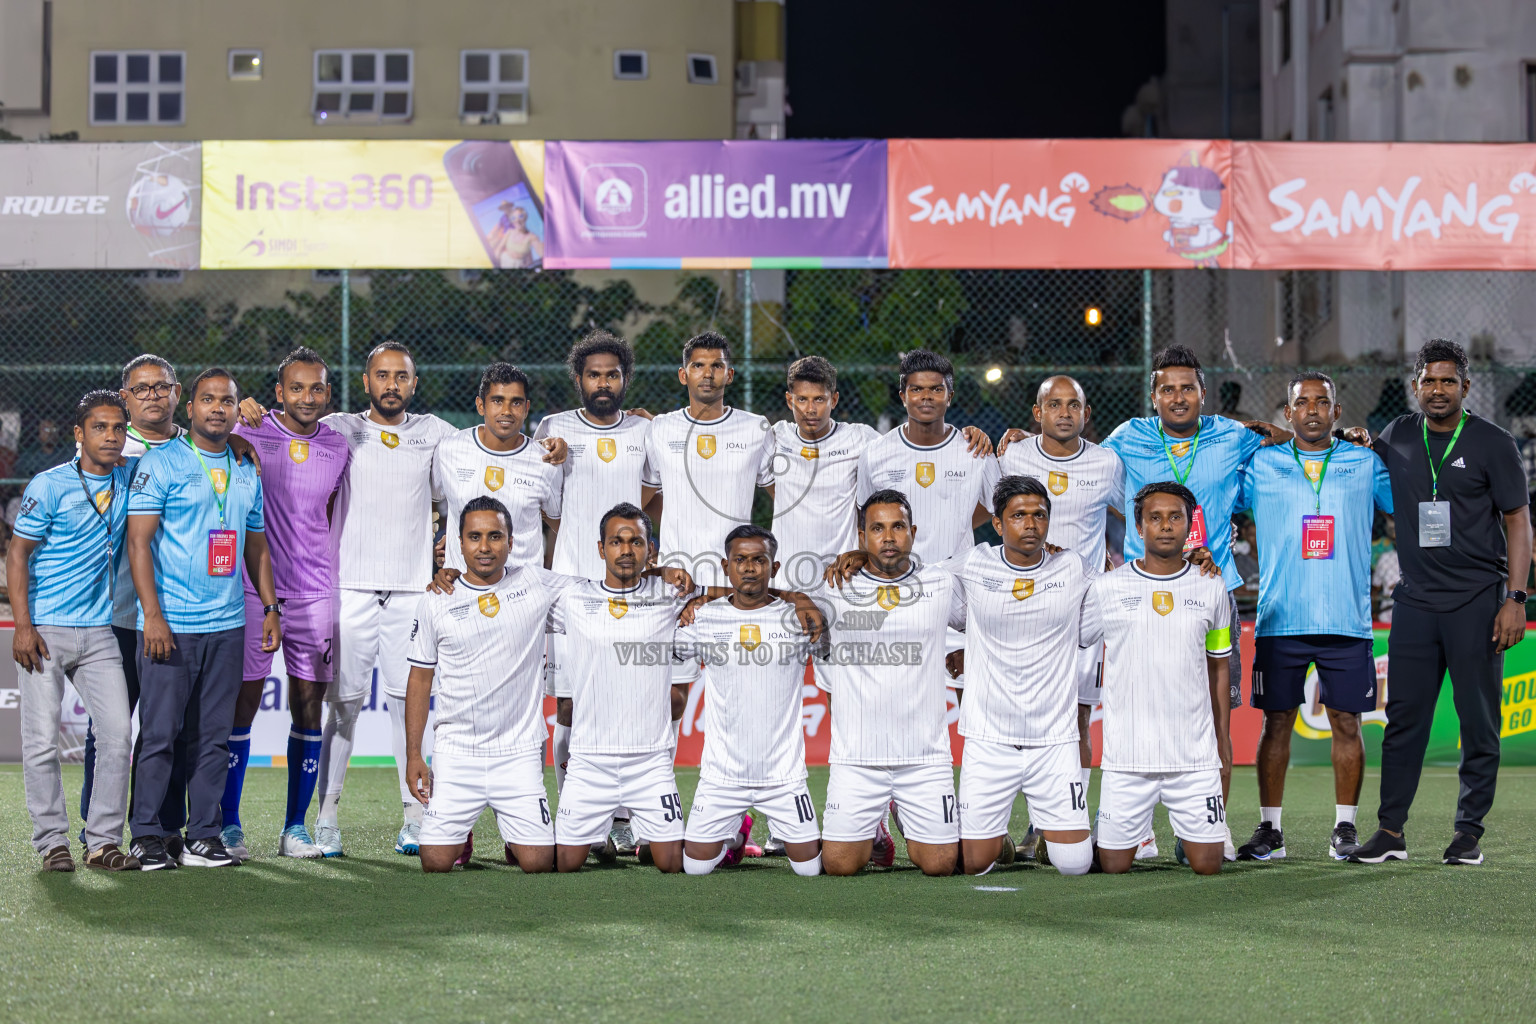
column 474, row 432
column 887, row 581
column 818, row 441
column 1002, row 555
column 708, row 423
column 954, row 432
column 1138, row 570
column 581, row 414
column 464, row 582
column 1082, row 446
column 626, row 590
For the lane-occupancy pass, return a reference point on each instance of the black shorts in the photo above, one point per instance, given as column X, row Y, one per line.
column 1346, row 672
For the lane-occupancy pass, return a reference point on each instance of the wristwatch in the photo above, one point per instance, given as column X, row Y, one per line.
column 268, row 609
column 1518, row 596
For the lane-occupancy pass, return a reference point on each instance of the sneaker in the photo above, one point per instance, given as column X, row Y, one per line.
column 465, row 854
column 1380, row 847
column 174, row 845
column 1179, row 856
column 295, row 842
column 1463, row 850
column 643, row 854
column 895, row 819
column 774, row 847
column 1010, row 852
column 605, row 851
column 60, row 859
column 233, row 838
column 1029, row 847
column 408, row 842
column 151, row 854
column 733, row 856
column 206, row 853
column 1228, row 851
column 1344, row 841
column 1268, row 843
column 1148, row 849
column 623, row 837
column 884, row 853
column 109, row 858
column 328, row 838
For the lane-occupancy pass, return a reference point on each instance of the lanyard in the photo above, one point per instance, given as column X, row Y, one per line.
column 1434, row 467
column 218, row 492
column 1317, row 485
column 146, row 442
column 104, row 517
column 1168, row 451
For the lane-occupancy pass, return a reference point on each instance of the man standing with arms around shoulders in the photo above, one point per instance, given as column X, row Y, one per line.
column 1313, row 503
column 61, row 570
column 194, row 517
column 1464, row 541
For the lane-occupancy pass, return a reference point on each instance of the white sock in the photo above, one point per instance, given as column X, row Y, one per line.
column 704, row 867
column 807, row 868
column 1345, row 812
column 1071, row 858
column 985, row 870
column 1271, row 815
column 562, row 754
column 397, row 747
column 335, row 753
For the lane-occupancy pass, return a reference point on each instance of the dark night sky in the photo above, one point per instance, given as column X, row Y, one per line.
column 967, row 68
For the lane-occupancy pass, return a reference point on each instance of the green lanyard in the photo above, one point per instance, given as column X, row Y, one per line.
column 1317, row 485
column 1434, row 468
column 1168, row 451
column 217, row 493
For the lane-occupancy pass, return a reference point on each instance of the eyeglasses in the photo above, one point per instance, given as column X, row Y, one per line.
column 143, row 391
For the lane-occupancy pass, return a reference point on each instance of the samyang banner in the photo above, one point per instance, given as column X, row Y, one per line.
column 1385, row 206
column 373, row 204
column 100, row 206
column 1060, row 203
column 716, row 204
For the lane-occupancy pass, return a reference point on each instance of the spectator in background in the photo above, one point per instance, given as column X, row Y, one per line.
column 1392, row 404
column 49, row 452
column 1385, row 572
column 10, row 438
column 1231, row 398
column 1245, row 557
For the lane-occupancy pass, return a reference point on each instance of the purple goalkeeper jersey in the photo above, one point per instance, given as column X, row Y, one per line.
column 298, row 477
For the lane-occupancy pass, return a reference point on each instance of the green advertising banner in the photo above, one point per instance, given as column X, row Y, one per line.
column 1311, row 743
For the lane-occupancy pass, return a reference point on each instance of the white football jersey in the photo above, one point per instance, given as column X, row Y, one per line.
column 487, row 647
column 618, row 659
column 754, row 675
column 1083, row 488
column 605, row 466
column 125, row 600
column 708, row 472
column 885, row 666
column 382, row 520
column 1158, row 632
column 943, row 483
column 815, row 517
column 1022, row 630
column 521, row 480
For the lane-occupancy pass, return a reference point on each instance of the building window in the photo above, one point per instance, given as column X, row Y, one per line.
column 631, row 64
column 1326, row 131
column 1282, row 34
column 701, row 69
column 245, row 65
column 138, row 87
column 493, row 86
column 362, row 85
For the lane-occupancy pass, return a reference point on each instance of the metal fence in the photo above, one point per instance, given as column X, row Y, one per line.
column 62, row 333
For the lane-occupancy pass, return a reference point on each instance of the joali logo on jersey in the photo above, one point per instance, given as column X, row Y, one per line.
column 1057, row 482
column 809, row 453
column 103, row 501
column 390, row 440
column 1023, row 589
column 1313, row 468
column 705, row 445
column 494, row 477
column 617, row 607
column 925, row 474
column 489, row 606
column 607, row 449
column 1162, row 601
column 751, row 636
column 888, row 597
column 298, row 450
column 220, row 478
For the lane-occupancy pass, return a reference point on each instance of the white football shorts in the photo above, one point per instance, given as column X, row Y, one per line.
column 992, row 774
column 925, row 798
column 718, row 807
column 597, row 786
column 373, row 628
column 1196, row 809
column 463, row 786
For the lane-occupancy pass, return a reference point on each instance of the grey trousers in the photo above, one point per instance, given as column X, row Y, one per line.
column 196, row 686
column 89, row 658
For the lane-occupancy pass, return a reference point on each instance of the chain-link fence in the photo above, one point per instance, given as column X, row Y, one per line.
column 62, row 333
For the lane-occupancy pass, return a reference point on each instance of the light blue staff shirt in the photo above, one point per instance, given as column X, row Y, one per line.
column 72, row 571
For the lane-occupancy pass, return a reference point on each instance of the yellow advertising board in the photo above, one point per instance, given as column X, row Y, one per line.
column 371, row 203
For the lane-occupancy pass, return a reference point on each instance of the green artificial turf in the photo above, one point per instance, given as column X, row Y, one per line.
column 369, row 938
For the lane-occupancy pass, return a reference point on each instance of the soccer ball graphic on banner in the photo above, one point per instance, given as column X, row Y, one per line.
column 159, row 204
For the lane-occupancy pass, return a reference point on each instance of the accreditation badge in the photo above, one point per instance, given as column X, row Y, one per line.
column 1317, row 536
column 221, row 552
column 1196, row 538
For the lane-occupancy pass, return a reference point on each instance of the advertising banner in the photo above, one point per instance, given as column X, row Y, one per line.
column 110, row 206
column 1056, row 203
column 716, row 204
column 372, row 204
column 1385, row 206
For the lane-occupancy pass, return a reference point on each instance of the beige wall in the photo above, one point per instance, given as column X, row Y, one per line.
column 572, row 91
